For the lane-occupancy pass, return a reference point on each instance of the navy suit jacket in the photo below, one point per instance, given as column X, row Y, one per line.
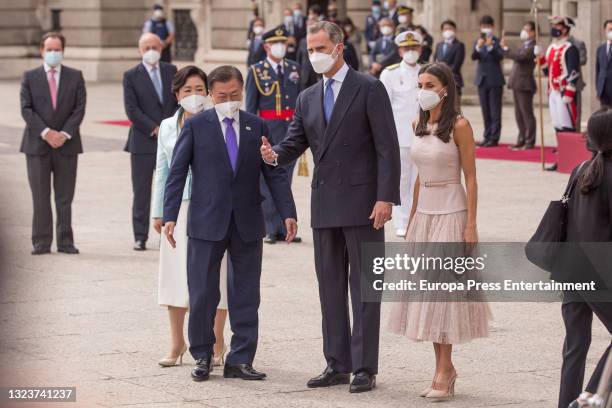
column 454, row 57
column 489, row 70
column 143, row 107
column 218, row 193
column 356, row 155
column 603, row 70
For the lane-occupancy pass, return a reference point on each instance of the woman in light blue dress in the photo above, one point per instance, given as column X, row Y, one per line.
column 189, row 85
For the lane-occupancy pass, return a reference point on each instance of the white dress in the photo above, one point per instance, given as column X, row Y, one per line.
column 172, row 287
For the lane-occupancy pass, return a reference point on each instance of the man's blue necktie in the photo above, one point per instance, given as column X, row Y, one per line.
column 231, row 142
column 444, row 49
column 328, row 100
column 157, row 84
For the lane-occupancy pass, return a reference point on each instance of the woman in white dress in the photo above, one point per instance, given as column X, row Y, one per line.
column 189, row 85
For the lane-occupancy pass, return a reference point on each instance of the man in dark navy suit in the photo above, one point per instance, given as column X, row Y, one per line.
column 603, row 68
column 221, row 146
column 451, row 51
column 490, row 81
column 148, row 99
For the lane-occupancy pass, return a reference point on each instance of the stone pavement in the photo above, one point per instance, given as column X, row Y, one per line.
column 92, row 320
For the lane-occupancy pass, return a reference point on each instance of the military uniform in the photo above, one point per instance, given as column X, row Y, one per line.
column 272, row 95
column 401, row 83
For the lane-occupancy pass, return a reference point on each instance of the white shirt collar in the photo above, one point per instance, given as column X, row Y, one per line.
column 236, row 117
column 150, row 67
column 338, row 76
column 273, row 64
column 48, row 67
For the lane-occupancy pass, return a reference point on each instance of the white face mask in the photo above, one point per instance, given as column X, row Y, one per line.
column 258, row 30
column 609, row 35
column 410, row 57
column 524, row 35
column 402, row 19
column 278, row 50
column 194, row 103
column 151, row 57
column 228, row 109
column 428, row 99
column 321, row 62
column 448, row 34
column 488, row 31
column 386, row 30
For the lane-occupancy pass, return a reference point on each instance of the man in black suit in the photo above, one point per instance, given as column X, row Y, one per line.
column 346, row 120
column 451, row 51
column 53, row 105
column 490, row 81
column 148, row 99
column 603, row 68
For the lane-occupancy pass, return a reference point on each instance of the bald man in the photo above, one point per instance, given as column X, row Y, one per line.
column 148, row 99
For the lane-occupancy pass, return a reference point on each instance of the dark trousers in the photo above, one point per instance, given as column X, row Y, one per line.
column 606, row 97
column 166, row 54
column 578, row 318
column 578, row 98
column 525, row 117
column 338, row 267
column 64, row 169
column 203, row 266
column 491, row 105
column 143, row 167
column 275, row 225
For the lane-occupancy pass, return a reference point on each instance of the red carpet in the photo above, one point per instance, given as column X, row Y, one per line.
column 500, row 152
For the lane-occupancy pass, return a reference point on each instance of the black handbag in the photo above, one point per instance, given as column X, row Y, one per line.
column 544, row 247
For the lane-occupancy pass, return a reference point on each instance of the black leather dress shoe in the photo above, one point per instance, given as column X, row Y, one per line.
column 363, row 382
column 244, row 371
column 328, row 378
column 203, row 368
column 517, row 146
column 551, row 168
column 140, row 245
column 72, row 250
column 490, row 143
column 270, row 239
column 481, row 143
column 281, row 237
column 41, row 251
column 527, row 147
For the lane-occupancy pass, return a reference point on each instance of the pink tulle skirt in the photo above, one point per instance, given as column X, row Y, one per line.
column 445, row 322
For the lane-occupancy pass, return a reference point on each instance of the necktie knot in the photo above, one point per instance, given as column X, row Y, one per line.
column 228, row 121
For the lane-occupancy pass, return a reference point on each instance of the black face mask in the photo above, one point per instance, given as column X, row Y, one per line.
column 555, row 32
column 332, row 14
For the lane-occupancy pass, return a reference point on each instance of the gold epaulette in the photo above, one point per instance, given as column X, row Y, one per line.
column 392, row 67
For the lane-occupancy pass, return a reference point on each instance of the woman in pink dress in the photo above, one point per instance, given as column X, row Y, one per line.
column 442, row 212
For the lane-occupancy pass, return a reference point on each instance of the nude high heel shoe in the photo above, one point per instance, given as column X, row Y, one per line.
column 170, row 361
column 449, row 393
column 428, row 389
column 220, row 360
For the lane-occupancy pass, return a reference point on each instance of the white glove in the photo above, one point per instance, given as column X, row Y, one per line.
column 537, row 50
column 567, row 99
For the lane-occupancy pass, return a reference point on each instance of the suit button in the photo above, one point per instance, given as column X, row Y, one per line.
column 322, row 182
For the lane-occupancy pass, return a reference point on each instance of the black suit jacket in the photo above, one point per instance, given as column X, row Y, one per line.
column 356, row 155
column 38, row 113
column 143, row 107
column 489, row 70
column 455, row 55
column 603, row 70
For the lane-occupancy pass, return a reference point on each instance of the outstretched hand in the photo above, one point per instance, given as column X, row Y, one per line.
column 267, row 153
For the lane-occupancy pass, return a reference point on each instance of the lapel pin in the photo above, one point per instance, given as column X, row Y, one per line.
column 247, row 128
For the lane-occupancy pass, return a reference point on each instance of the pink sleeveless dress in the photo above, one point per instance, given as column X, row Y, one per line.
column 441, row 216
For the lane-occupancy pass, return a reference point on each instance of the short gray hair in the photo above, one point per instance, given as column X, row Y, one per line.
column 336, row 35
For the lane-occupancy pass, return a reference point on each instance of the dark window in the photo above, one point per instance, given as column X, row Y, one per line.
column 186, row 35
column 56, row 20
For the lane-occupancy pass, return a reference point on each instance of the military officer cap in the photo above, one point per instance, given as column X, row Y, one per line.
column 408, row 39
column 276, row 34
column 566, row 21
column 404, row 10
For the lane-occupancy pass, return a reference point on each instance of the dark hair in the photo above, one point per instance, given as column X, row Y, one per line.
column 449, row 22
column 423, row 29
column 531, row 24
column 607, row 22
column 450, row 106
column 347, row 21
column 486, row 19
column 53, row 34
column 599, row 128
column 183, row 74
column 224, row 73
column 315, row 8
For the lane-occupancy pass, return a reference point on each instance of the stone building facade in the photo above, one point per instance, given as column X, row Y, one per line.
column 102, row 34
